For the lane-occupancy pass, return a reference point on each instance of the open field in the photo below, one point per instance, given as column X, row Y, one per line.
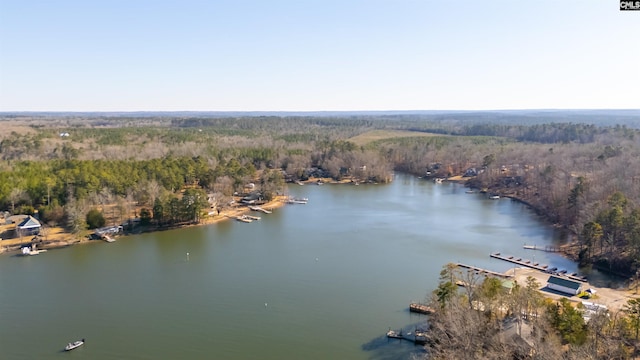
column 374, row 135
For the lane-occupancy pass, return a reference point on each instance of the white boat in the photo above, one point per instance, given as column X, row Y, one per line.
column 72, row 345
column 244, row 218
column 494, row 197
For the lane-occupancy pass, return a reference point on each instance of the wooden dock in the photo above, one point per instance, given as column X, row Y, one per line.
column 418, row 337
column 421, row 309
column 484, row 271
column 258, row 208
column 530, row 264
column 520, row 261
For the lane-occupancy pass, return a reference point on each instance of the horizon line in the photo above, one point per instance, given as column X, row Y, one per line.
column 3, row 112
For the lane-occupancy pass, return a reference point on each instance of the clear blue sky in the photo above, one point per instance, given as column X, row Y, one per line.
column 296, row 55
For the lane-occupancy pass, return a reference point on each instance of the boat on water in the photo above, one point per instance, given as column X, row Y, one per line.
column 297, row 200
column 494, row 197
column 394, row 334
column 244, row 218
column 73, row 345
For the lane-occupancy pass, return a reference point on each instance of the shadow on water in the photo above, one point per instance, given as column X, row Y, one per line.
column 384, row 348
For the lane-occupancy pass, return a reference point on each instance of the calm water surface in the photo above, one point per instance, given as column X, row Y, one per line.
column 318, row 281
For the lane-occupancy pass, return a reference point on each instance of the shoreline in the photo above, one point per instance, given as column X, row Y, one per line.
column 62, row 239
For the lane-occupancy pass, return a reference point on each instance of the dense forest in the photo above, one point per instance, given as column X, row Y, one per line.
column 580, row 170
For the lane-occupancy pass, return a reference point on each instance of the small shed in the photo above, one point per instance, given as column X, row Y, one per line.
column 564, row 285
column 29, row 226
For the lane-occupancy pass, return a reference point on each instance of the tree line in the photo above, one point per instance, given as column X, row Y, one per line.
column 567, row 171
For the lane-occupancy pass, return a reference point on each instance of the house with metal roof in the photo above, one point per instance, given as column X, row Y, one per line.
column 564, row 285
column 28, row 226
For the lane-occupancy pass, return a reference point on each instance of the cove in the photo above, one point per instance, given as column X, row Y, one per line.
column 316, row 281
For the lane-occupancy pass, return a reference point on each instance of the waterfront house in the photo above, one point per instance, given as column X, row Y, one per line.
column 28, row 226
column 564, row 285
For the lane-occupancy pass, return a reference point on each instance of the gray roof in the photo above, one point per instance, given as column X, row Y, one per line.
column 29, row 223
column 564, row 282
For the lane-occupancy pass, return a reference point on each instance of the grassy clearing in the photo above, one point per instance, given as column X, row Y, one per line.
column 375, row 135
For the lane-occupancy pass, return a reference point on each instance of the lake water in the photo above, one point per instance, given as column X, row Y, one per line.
column 323, row 280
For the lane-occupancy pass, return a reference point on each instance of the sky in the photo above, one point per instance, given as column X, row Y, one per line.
column 317, row 55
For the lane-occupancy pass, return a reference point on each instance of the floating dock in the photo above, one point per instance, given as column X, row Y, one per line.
column 421, row 308
column 520, row 261
column 297, row 200
column 530, row 264
column 418, row 337
column 258, row 208
column 547, row 248
column 484, row 271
